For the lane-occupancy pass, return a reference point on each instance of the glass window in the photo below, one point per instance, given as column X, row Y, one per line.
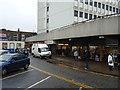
column 116, row 10
column 75, row 13
column 18, row 45
column 95, row 4
column 106, row 7
column 110, row 8
column 47, row 8
column 99, row 5
column 91, row 2
column 12, row 45
column 4, row 45
column 86, row 15
column 113, row 9
column 90, row 16
column 86, row 1
column 81, row 1
column 81, row 14
column 103, row 6
column 48, row 20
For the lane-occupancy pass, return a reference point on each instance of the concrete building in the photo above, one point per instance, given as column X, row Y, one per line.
column 68, row 25
column 52, row 15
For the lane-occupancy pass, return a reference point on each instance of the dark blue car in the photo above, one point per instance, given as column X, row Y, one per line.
column 10, row 62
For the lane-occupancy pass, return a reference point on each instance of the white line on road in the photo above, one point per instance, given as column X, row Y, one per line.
column 38, row 83
column 17, row 74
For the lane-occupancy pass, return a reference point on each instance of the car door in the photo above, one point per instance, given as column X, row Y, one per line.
column 23, row 60
column 14, row 63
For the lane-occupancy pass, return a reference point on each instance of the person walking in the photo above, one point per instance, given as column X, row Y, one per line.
column 110, row 61
column 86, row 58
column 118, row 57
column 76, row 54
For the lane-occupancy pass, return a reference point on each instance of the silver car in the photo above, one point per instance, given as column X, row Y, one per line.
column 2, row 52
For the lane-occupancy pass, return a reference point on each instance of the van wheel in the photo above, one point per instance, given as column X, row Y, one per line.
column 4, row 71
column 33, row 55
column 40, row 57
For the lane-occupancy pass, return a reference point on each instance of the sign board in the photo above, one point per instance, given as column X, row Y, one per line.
column 2, row 34
column 50, row 42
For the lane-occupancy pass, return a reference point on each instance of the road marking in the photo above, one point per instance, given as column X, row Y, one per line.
column 16, row 74
column 62, row 78
column 38, row 82
column 100, row 74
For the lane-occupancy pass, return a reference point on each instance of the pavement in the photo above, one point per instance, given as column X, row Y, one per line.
column 94, row 66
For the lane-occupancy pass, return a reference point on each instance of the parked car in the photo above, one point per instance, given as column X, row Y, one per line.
column 2, row 52
column 10, row 62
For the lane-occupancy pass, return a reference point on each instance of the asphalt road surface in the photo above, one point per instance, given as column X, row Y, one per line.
column 42, row 74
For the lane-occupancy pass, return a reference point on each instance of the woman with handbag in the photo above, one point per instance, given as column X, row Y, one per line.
column 110, row 61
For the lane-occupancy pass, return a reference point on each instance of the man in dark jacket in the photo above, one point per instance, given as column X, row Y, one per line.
column 86, row 58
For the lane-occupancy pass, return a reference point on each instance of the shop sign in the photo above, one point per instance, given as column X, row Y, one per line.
column 50, row 42
column 2, row 34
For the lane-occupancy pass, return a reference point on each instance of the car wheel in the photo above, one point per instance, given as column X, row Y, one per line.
column 26, row 67
column 4, row 71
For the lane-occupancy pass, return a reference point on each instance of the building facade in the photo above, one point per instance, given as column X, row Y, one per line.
column 52, row 15
column 65, row 26
column 11, row 40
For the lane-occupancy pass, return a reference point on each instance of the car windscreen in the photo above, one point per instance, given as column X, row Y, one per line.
column 5, row 57
column 44, row 49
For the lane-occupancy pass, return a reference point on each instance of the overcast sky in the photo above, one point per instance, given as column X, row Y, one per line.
column 16, row 14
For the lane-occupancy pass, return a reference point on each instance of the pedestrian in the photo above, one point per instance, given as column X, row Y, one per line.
column 76, row 54
column 110, row 61
column 17, row 50
column 86, row 58
column 118, row 57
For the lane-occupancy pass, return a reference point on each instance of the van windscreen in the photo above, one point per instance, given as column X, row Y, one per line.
column 44, row 49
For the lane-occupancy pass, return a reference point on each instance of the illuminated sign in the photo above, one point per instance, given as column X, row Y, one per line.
column 3, row 35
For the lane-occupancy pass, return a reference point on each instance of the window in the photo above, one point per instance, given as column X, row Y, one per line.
column 47, row 8
column 18, row 45
column 48, row 20
column 12, row 45
column 4, row 45
column 95, row 16
column 81, row 1
column 95, row 4
column 106, row 7
column 113, row 9
column 90, row 16
column 86, row 15
column 75, row 13
column 110, row 8
column 116, row 10
column 86, row 1
column 91, row 2
column 81, row 14
column 99, row 5
column 119, row 11
column 103, row 6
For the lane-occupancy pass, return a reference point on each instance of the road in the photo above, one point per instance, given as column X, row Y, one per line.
column 42, row 74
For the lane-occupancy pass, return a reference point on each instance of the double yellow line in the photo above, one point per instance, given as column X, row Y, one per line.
column 62, row 78
column 100, row 74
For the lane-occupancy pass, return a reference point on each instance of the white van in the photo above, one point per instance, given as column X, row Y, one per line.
column 40, row 50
